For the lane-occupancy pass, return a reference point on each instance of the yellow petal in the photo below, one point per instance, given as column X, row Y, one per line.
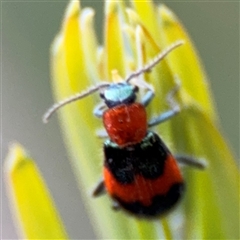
column 32, row 206
column 89, row 43
column 220, row 180
column 147, row 13
column 114, row 49
column 185, row 63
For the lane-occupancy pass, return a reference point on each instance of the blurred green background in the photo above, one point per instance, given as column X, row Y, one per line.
column 27, row 30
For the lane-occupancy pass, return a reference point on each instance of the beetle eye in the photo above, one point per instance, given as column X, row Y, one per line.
column 102, row 95
column 135, row 89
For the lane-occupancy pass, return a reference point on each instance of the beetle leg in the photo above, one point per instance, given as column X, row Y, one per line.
column 147, row 98
column 99, row 189
column 191, row 161
column 101, row 133
column 174, row 108
column 99, row 110
column 115, row 206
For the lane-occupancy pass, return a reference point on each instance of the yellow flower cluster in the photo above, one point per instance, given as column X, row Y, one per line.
column 132, row 37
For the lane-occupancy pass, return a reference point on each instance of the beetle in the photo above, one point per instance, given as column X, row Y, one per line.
column 140, row 173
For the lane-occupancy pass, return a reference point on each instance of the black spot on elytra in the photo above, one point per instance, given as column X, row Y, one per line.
column 146, row 158
column 160, row 205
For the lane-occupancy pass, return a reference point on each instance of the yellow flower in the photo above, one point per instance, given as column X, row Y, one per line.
column 132, row 37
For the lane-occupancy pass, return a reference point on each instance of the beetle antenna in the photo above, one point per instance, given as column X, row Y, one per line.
column 71, row 99
column 155, row 61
